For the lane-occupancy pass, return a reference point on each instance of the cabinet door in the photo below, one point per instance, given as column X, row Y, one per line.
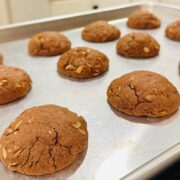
column 59, row 7
column 109, row 3
column 23, row 10
column 175, row 2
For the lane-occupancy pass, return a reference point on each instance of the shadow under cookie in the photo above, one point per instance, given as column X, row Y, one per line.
column 82, row 80
column 60, row 175
column 143, row 119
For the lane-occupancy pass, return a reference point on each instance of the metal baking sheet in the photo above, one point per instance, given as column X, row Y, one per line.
column 118, row 144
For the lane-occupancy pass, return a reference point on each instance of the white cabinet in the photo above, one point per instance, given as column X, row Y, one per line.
column 109, row 3
column 23, row 10
column 58, row 7
column 174, row 2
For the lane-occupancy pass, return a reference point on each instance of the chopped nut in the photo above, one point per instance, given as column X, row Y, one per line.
column 119, row 88
column 82, row 131
column 77, row 124
column 13, row 164
column 18, row 152
column 88, row 50
column 50, row 132
column 149, row 97
column 163, row 112
column 70, row 67
column 16, row 147
column 132, row 78
column 18, row 85
column 131, row 85
column 79, row 69
column 4, row 153
column 146, row 49
column 18, row 124
column 9, row 130
column 97, row 70
column 84, row 52
column 155, row 89
column 4, row 80
column 15, row 133
column 95, row 74
column 88, row 64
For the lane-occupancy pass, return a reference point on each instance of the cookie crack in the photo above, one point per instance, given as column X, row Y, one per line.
column 29, row 152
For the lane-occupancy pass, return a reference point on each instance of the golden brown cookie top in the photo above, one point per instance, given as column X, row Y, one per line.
column 144, row 93
column 14, row 84
column 83, row 62
column 48, row 43
column 100, row 31
column 173, row 30
column 143, row 19
column 138, row 45
column 43, row 140
column 1, row 58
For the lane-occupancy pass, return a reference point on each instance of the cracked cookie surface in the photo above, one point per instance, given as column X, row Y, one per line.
column 100, row 31
column 48, row 43
column 14, row 84
column 83, row 62
column 143, row 93
column 138, row 45
column 143, row 19
column 43, row 140
column 173, row 31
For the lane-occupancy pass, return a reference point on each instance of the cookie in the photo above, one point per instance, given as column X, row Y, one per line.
column 14, row 84
column 173, row 31
column 138, row 45
column 43, row 140
column 100, row 31
column 143, row 19
column 82, row 62
column 1, row 58
column 143, row 93
column 48, row 43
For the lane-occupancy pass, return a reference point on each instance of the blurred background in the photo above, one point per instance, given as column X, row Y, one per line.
column 12, row 11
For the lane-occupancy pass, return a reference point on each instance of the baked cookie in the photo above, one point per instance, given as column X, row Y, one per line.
column 143, row 19
column 143, row 93
column 48, row 43
column 43, row 140
column 1, row 58
column 100, row 31
column 82, row 62
column 138, row 45
column 173, row 31
column 14, row 84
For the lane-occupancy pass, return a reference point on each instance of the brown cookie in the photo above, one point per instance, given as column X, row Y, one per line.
column 82, row 62
column 48, row 44
column 43, row 140
column 1, row 58
column 100, row 31
column 143, row 19
column 143, row 93
column 138, row 45
column 14, row 84
column 173, row 31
